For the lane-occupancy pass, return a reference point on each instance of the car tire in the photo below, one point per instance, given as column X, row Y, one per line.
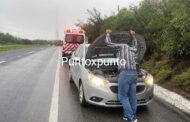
column 63, row 54
column 70, row 78
column 82, row 100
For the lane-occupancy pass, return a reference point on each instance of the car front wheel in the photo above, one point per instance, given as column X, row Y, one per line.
column 81, row 95
column 70, row 78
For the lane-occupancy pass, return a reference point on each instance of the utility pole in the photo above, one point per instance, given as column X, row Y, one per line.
column 118, row 9
column 57, row 24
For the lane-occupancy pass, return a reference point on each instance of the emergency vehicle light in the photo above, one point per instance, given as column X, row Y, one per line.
column 68, row 31
column 81, row 31
column 74, row 31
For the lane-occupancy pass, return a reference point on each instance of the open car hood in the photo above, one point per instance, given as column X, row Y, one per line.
column 99, row 47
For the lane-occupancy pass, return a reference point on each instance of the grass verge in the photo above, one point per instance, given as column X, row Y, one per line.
column 8, row 47
column 173, row 76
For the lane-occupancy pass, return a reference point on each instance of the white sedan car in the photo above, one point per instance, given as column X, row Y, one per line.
column 99, row 86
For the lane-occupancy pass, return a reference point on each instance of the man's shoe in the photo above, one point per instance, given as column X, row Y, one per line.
column 134, row 119
column 125, row 118
column 128, row 120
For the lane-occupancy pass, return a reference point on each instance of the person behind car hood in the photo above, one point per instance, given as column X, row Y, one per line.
column 127, row 77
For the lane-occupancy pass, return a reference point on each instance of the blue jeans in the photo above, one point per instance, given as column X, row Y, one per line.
column 127, row 92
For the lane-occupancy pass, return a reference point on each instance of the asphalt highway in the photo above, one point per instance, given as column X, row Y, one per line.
column 28, row 87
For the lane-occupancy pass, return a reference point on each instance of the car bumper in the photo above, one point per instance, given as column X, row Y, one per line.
column 107, row 96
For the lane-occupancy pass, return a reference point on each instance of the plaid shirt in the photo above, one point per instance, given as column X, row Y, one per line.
column 126, row 53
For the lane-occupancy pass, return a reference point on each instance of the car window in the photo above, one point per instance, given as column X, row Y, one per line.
column 74, row 38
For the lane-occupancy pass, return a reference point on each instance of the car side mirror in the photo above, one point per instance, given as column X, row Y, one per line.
column 86, row 39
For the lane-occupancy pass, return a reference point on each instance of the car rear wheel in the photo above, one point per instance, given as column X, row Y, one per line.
column 63, row 54
column 70, row 78
column 81, row 95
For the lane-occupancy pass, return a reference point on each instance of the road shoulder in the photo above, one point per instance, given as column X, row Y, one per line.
column 172, row 98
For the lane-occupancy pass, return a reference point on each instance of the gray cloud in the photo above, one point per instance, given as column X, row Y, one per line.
column 36, row 18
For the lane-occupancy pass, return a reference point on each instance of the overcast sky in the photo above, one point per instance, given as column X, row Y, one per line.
column 36, row 19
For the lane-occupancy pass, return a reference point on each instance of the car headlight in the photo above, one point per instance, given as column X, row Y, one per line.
column 97, row 81
column 149, row 80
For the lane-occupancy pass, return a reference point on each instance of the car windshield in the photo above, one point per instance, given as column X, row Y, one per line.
column 99, row 54
column 100, row 51
column 74, row 38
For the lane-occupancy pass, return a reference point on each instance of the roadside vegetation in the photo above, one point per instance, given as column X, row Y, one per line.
column 9, row 42
column 13, row 46
column 165, row 25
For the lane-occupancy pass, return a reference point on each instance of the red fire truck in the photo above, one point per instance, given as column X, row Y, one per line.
column 73, row 38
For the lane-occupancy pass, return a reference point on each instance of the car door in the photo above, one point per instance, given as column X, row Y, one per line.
column 78, row 67
column 73, row 60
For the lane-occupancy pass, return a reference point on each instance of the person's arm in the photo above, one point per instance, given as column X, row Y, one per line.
column 109, row 43
column 108, row 39
column 134, row 47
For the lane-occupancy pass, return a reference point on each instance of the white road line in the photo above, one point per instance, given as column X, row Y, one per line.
column 2, row 62
column 30, row 52
column 53, row 115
